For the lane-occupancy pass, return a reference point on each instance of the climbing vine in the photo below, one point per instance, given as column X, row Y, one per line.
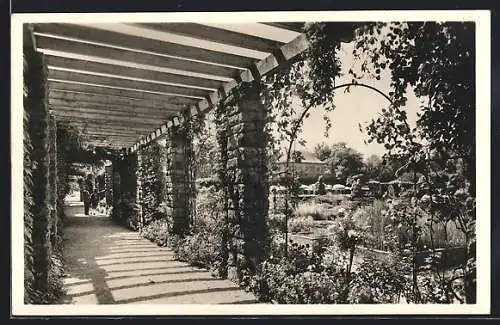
column 28, row 197
column 150, row 175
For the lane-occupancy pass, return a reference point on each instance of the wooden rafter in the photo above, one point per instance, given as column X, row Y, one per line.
column 127, row 71
column 119, row 92
column 102, row 52
column 111, row 101
column 143, row 43
column 127, row 83
column 218, row 35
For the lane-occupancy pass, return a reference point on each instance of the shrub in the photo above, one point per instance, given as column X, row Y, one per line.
column 444, row 233
column 127, row 213
column 379, row 281
column 300, row 224
column 205, row 245
column 372, row 219
column 55, row 289
column 157, row 231
column 333, row 199
column 276, row 222
column 318, row 211
column 300, row 278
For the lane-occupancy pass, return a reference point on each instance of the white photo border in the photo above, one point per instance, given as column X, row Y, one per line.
column 483, row 61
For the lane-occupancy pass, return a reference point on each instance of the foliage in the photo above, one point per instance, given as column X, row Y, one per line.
column 373, row 220
column 300, row 224
column 204, row 146
column 333, row 199
column 42, row 254
column 344, row 162
column 205, row 245
column 127, row 212
column 436, row 59
column 321, row 211
column 28, row 197
column 276, row 222
column 302, row 277
column 379, row 281
column 156, row 231
column 322, row 151
column 54, row 290
column 151, row 179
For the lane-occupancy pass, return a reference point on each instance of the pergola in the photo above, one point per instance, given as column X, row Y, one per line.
column 123, row 85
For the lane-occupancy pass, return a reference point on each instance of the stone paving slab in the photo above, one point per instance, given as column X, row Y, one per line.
column 109, row 264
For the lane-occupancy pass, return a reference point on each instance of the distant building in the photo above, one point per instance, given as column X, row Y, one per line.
column 310, row 166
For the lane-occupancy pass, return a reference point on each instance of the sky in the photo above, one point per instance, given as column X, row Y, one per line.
column 360, row 105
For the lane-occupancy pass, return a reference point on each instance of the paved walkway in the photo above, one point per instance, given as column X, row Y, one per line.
column 108, row 264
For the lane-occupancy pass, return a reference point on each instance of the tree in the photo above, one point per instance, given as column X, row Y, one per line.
column 373, row 167
column 344, row 162
column 297, row 156
column 322, row 151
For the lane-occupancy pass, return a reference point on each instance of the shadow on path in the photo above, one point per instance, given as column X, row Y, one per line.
column 108, row 264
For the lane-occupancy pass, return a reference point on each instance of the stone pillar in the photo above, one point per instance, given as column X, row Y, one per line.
column 36, row 104
column 53, row 178
column 116, row 181
column 247, row 181
column 127, row 190
column 108, row 184
column 176, row 187
column 138, row 186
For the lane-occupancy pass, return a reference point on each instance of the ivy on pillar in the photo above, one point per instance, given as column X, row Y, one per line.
column 176, row 187
column 53, row 179
column 139, row 189
column 246, row 179
column 38, row 129
column 108, row 184
column 125, row 209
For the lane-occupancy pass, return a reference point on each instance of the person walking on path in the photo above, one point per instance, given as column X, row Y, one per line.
column 86, row 201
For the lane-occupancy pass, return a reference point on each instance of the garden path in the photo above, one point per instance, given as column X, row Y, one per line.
column 109, row 264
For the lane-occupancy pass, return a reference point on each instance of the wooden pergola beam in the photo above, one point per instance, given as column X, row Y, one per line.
column 76, row 110
column 139, row 124
column 98, row 131
column 107, row 107
column 98, row 34
column 103, row 52
column 153, row 106
column 108, row 144
column 82, row 125
column 127, row 83
column 133, row 94
column 293, row 26
column 105, row 117
column 127, row 71
column 218, row 35
column 117, row 137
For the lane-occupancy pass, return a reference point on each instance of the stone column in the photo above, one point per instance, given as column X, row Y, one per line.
column 53, row 178
column 127, row 190
column 108, row 184
column 247, row 181
column 138, row 187
column 176, row 187
column 116, row 184
column 36, row 104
